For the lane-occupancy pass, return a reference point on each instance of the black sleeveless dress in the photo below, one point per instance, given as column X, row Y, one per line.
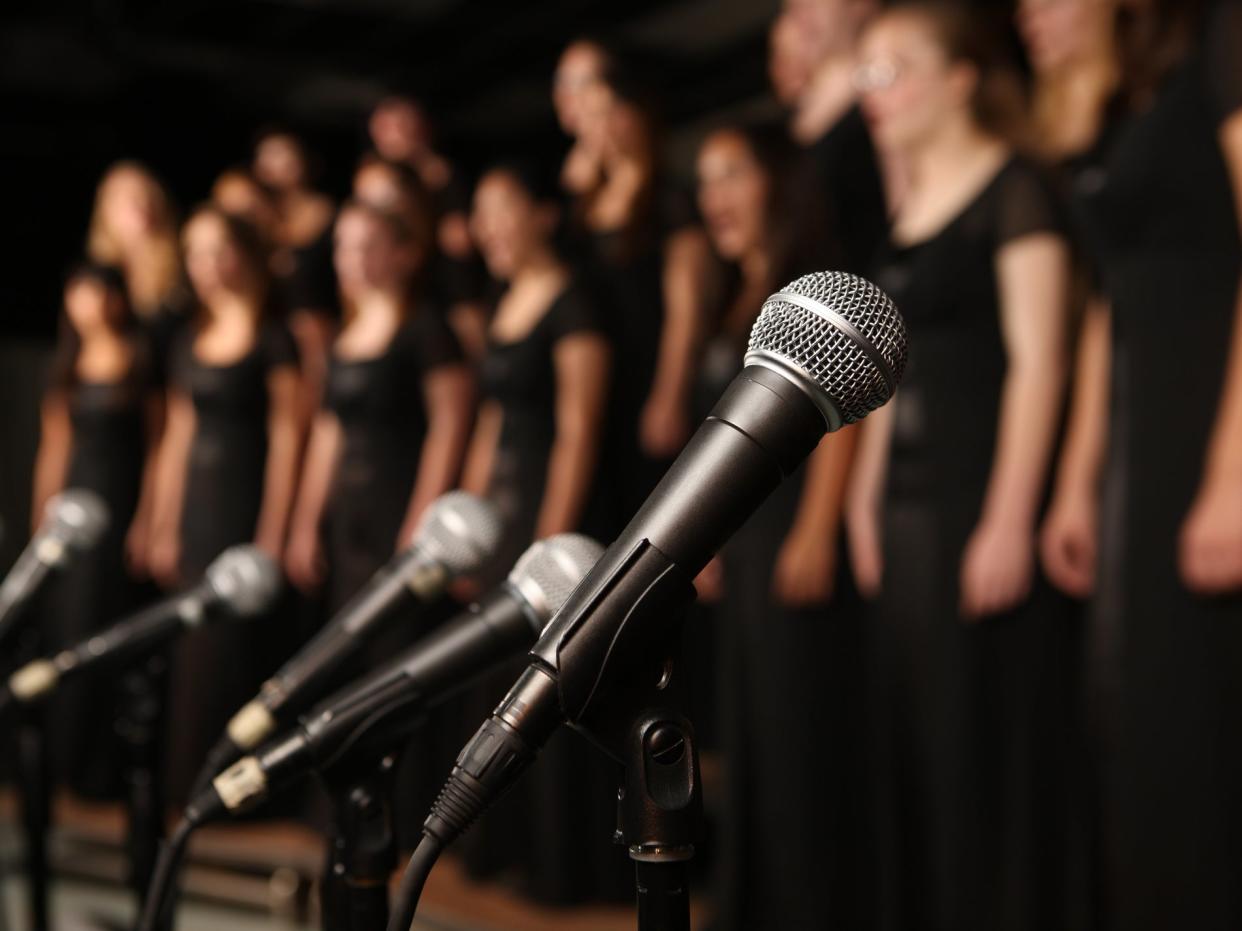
column 970, row 763
column 217, row 668
column 552, row 835
column 1165, row 662
column 107, row 456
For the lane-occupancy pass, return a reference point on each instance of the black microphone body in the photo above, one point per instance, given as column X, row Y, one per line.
column 824, row 352
column 459, row 532
column 385, row 706
column 240, row 582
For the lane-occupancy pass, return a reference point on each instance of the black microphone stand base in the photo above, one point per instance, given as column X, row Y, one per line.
column 362, row 846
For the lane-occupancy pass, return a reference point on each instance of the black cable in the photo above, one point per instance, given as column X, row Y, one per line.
column 156, row 908
column 223, row 755
column 416, row 872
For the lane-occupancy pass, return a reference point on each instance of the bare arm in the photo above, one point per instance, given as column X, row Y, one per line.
column 171, row 465
column 665, row 425
column 52, row 461
column 481, row 454
column 1210, row 549
column 582, row 364
column 318, row 468
column 138, row 537
column 284, row 444
column 1033, row 279
column 449, row 391
column 806, row 564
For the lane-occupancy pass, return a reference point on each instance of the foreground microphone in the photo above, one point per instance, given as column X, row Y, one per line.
column 824, row 352
column 242, row 582
column 387, row 703
column 73, row 522
column 458, row 534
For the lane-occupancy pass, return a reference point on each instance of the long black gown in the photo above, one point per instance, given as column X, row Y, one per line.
column 217, row 668
column 1165, row 662
column 553, row 833
column 788, row 710
column 108, row 449
column 625, row 268
column 381, row 408
column 970, row 764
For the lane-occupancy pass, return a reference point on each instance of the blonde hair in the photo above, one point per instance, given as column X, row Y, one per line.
column 162, row 274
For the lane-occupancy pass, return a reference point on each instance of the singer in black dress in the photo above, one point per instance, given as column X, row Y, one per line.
column 98, row 414
column 786, row 679
column 227, row 470
column 396, row 414
column 968, row 646
column 636, row 238
column 1167, row 619
column 535, row 450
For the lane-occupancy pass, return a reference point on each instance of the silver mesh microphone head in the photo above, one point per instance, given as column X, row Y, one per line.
column 459, row 530
column 76, row 517
column 245, row 580
column 838, row 337
column 550, row 569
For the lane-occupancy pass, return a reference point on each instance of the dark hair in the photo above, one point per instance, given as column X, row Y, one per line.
column 1154, row 38
column 796, row 224
column 542, row 188
column 312, row 169
column 969, row 35
column 63, row 373
column 419, row 208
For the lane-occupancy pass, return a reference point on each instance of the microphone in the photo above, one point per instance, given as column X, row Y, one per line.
column 824, row 352
column 458, row 534
column 387, row 703
column 73, row 522
column 242, row 582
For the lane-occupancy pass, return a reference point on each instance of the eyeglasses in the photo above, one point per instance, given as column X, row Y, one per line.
column 877, row 74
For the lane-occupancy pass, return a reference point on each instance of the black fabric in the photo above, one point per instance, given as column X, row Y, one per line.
column 849, row 178
column 108, row 447
column 625, row 268
column 1165, row 663
column 307, row 279
column 974, row 748
column 789, row 713
column 382, row 410
column 551, row 834
column 215, row 669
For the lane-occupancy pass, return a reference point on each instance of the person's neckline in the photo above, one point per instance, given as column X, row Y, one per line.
column 957, row 216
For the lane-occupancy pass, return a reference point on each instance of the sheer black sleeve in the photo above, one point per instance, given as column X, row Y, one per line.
column 1223, row 57
column 575, row 311
column 429, row 342
column 1026, row 204
column 277, row 346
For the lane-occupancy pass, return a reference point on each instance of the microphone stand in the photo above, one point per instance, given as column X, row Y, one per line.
column 140, row 724
column 659, row 804
column 362, row 845
column 34, row 787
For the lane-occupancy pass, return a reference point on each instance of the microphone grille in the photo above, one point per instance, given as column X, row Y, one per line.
column 460, row 530
column 550, row 569
column 246, row 580
column 841, row 338
column 77, row 517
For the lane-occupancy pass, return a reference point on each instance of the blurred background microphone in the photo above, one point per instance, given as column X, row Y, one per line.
column 242, row 582
column 382, row 708
column 73, row 522
column 457, row 535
